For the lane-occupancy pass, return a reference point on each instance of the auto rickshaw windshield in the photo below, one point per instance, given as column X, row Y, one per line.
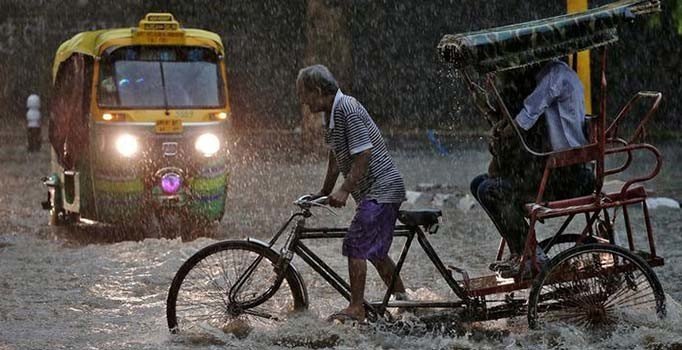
column 160, row 77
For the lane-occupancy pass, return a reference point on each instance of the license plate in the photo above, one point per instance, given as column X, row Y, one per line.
column 169, row 126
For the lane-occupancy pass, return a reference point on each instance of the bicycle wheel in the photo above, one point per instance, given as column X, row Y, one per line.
column 595, row 285
column 198, row 300
column 553, row 246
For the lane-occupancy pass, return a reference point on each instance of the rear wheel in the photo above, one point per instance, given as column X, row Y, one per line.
column 595, row 285
column 199, row 302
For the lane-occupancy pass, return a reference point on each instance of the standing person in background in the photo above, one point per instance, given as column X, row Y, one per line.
column 358, row 151
column 33, row 122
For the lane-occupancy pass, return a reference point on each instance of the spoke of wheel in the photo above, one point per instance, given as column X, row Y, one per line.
column 593, row 287
column 197, row 304
column 228, row 283
column 205, row 317
column 249, row 281
column 635, row 299
column 566, row 298
column 212, row 280
column 204, row 292
column 193, row 288
column 592, row 293
column 210, row 276
column 623, row 295
column 262, row 314
column 235, row 264
column 244, row 280
column 593, row 282
column 569, row 296
column 565, row 302
column 198, row 310
column 567, row 317
column 573, row 296
column 622, row 291
column 244, row 277
column 564, row 312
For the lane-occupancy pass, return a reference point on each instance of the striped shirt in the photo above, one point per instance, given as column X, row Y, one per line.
column 351, row 130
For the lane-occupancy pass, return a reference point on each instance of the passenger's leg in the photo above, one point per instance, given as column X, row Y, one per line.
column 497, row 197
column 475, row 183
column 574, row 181
column 585, row 181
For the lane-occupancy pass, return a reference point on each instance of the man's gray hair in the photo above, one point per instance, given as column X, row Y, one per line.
column 318, row 76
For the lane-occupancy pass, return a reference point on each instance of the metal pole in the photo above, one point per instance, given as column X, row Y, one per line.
column 583, row 57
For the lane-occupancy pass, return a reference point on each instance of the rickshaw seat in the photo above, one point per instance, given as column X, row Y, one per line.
column 578, row 155
column 587, row 203
column 420, row 217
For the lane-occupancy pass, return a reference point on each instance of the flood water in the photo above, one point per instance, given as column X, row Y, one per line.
column 86, row 288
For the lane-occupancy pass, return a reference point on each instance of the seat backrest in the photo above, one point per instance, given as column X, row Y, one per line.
column 593, row 152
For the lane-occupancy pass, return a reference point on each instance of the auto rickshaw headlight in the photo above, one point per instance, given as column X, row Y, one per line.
column 208, row 144
column 126, row 145
column 116, row 117
column 220, row 116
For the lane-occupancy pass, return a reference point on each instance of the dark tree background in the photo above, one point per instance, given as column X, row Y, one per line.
column 395, row 71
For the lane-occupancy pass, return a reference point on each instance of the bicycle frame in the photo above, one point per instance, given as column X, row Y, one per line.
column 409, row 232
column 295, row 245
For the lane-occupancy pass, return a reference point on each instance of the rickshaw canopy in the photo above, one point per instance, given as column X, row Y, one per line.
column 160, row 29
column 522, row 44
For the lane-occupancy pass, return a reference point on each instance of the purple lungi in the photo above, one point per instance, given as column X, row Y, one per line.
column 370, row 233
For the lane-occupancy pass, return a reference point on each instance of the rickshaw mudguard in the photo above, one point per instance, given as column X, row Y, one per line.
column 522, row 44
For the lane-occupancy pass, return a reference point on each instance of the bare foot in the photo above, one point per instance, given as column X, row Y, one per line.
column 348, row 314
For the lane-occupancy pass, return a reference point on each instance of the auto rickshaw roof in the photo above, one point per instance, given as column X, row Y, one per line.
column 92, row 43
column 522, row 44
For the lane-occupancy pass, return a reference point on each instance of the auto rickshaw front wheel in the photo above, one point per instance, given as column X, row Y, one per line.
column 60, row 217
column 188, row 228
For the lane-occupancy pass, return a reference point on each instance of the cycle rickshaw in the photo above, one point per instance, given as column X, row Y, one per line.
column 589, row 281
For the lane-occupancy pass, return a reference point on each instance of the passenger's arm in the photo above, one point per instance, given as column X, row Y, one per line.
column 537, row 102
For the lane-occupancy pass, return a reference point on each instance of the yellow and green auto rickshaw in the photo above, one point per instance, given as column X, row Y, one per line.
column 139, row 126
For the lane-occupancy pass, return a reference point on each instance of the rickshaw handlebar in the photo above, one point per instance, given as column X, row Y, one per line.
column 307, row 201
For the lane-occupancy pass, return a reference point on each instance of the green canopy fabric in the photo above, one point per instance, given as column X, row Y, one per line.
column 518, row 45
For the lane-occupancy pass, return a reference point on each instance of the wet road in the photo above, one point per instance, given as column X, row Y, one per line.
column 87, row 289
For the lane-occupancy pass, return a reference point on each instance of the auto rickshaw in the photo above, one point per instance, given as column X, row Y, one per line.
column 139, row 126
